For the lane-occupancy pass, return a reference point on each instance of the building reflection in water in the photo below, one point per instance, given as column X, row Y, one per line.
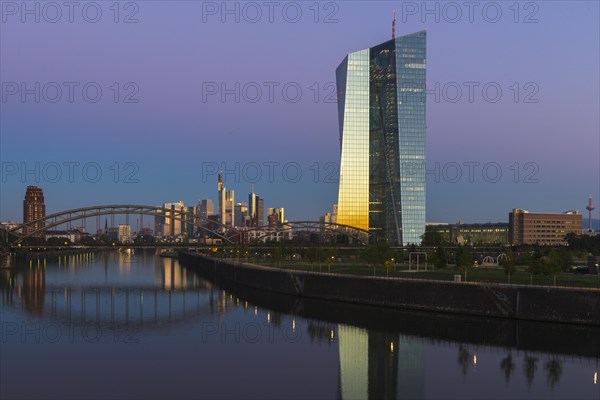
column 28, row 285
column 172, row 276
column 379, row 365
column 34, row 288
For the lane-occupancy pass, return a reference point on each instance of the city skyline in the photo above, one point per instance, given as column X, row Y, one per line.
column 300, row 199
column 468, row 135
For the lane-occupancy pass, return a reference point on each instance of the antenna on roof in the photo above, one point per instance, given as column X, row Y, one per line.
column 394, row 26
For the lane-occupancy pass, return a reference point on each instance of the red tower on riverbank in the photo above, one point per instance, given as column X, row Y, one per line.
column 34, row 208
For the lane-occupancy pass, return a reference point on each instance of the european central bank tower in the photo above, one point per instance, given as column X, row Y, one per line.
column 381, row 108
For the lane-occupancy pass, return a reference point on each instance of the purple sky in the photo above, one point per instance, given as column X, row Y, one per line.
column 177, row 129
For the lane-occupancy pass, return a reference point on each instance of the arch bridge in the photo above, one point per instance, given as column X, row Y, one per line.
column 215, row 229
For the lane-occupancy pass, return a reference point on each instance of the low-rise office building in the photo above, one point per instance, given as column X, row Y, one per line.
column 475, row 234
column 547, row 229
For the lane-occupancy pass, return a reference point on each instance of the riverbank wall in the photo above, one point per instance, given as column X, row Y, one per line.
column 520, row 302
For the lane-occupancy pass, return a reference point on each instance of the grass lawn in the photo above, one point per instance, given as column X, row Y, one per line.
column 480, row 274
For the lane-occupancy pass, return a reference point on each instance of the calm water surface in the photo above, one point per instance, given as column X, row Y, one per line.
column 131, row 324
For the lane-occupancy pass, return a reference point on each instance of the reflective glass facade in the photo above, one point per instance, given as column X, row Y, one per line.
column 381, row 106
column 353, row 195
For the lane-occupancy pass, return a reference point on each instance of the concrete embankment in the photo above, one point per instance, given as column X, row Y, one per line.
column 566, row 305
column 530, row 336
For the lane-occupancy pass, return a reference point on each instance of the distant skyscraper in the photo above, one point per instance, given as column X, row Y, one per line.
column 206, row 208
column 256, row 210
column 188, row 223
column 241, row 214
column 260, row 212
column 275, row 216
column 221, row 199
column 159, row 223
column 381, row 109
column 173, row 226
column 226, row 203
column 34, row 208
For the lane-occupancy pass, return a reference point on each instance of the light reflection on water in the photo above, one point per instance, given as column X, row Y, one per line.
column 132, row 324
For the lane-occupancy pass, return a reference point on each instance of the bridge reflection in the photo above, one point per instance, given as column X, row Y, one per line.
column 177, row 295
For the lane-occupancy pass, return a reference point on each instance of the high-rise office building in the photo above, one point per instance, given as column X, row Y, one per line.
column 188, row 222
column 241, row 214
column 172, row 225
column 275, row 216
column 256, row 210
column 34, row 208
column 226, row 203
column 381, row 110
column 260, row 212
column 205, row 208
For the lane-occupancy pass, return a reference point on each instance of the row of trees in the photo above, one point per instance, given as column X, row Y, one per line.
column 585, row 243
column 538, row 261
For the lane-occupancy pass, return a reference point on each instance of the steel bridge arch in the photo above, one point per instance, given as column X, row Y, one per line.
column 227, row 233
column 63, row 217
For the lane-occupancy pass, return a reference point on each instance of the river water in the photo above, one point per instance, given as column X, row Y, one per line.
column 131, row 324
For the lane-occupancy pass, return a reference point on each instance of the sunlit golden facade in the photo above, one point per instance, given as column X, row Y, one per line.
column 381, row 110
column 353, row 195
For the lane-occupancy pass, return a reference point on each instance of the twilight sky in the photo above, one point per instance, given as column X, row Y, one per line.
column 172, row 121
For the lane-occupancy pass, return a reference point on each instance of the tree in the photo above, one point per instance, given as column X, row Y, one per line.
column 87, row 240
column 315, row 254
column 508, row 263
column 144, row 239
column 440, row 258
column 591, row 244
column 59, row 241
column 566, row 259
column 464, row 259
column 277, row 255
column 431, row 238
column 378, row 254
column 552, row 264
column 535, row 265
column 33, row 241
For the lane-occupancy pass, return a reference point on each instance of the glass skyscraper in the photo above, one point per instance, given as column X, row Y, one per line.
column 381, row 109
